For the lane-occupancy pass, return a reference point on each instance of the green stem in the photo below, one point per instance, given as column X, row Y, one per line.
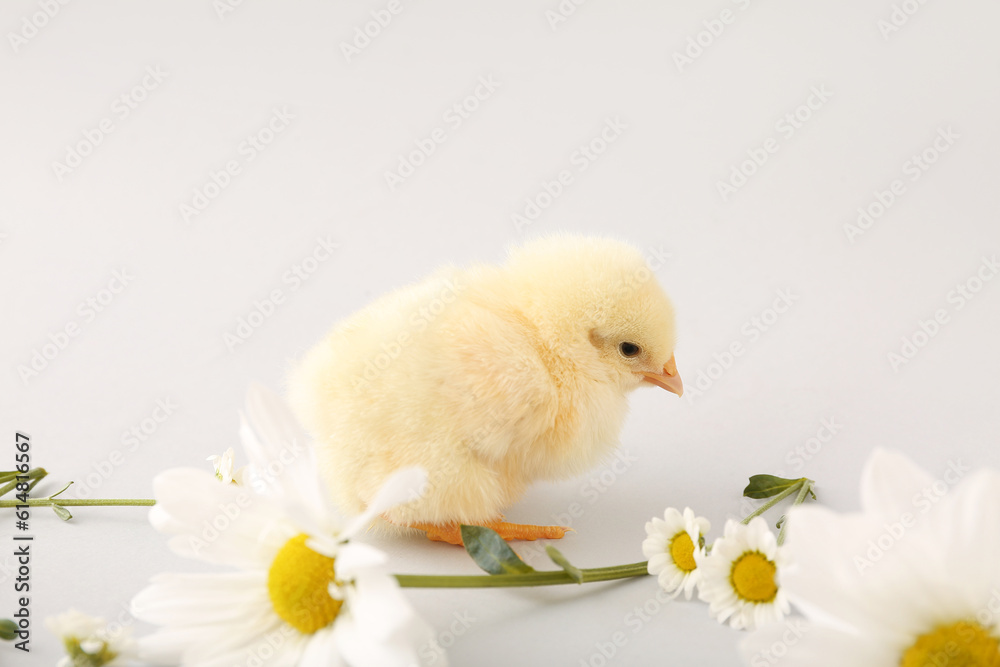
column 34, row 482
column 799, row 499
column 775, row 500
column 96, row 502
column 32, row 475
column 529, row 579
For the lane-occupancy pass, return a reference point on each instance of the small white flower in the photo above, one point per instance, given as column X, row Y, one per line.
column 302, row 593
column 740, row 576
column 911, row 580
column 89, row 640
column 671, row 545
column 224, row 468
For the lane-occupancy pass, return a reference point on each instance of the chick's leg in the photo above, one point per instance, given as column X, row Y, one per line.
column 452, row 532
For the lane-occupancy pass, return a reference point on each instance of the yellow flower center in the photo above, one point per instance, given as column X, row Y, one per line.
column 752, row 577
column 962, row 644
column 298, row 584
column 682, row 551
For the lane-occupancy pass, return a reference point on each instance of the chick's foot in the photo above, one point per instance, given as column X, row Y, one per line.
column 452, row 532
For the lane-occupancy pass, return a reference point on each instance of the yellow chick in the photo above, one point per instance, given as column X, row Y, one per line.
column 489, row 377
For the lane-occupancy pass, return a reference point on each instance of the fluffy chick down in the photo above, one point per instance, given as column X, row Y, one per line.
column 489, row 377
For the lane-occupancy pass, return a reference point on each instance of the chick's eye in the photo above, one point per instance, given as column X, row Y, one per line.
column 629, row 349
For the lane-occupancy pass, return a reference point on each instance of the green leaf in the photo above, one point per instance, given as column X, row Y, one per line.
column 561, row 561
column 491, row 552
column 62, row 512
column 69, row 484
column 765, row 486
column 8, row 629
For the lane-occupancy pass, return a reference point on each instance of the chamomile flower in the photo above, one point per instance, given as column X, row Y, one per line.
column 740, row 576
column 911, row 580
column 670, row 545
column 224, row 465
column 302, row 592
column 89, row 640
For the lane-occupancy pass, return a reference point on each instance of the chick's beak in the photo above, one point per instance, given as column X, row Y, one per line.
column 669, row 379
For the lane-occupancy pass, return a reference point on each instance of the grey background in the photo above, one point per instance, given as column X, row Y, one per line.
column 886, row 96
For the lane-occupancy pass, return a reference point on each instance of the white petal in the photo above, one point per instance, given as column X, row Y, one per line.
column 361, row 649
column 178, row 599
column 357, row 556
column 823, row 541
column 321, row 650
column 378, row 605
column 218, row 523
column 280, row 453
column 403, row 486
column 889, row 481
column 279, row 646
column 799, row 642
column 657, row 562
column 73, row 623
column 871, row 582
column 272, row 420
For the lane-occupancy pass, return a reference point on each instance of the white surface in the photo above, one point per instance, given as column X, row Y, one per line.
column 162, row 337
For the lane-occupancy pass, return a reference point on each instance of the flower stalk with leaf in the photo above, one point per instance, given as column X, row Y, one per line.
column 302, row 574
